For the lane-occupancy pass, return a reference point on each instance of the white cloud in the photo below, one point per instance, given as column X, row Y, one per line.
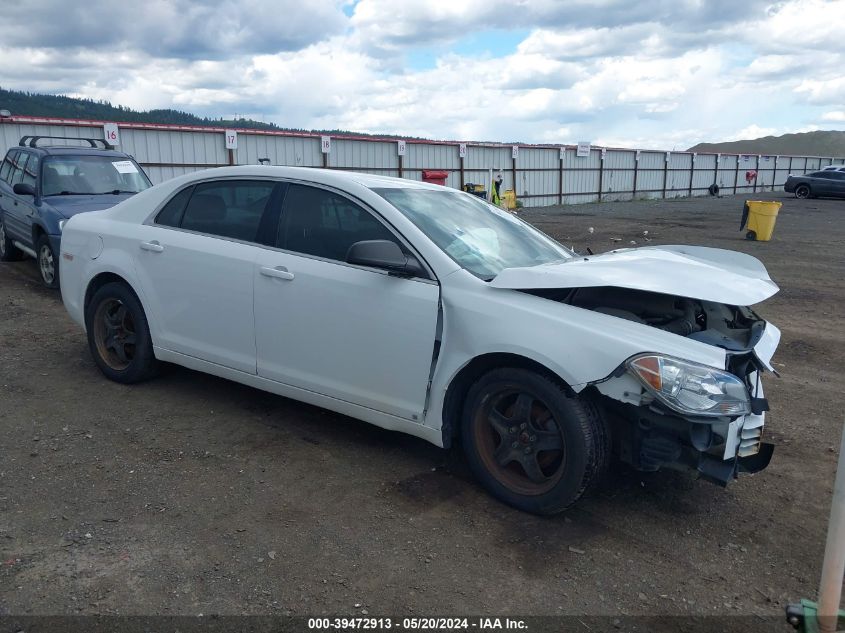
column 823, row 91
column 836, row 115
column 754, row 131
column 661, row 74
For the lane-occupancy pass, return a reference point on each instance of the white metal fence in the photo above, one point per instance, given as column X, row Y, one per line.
column 542, row 175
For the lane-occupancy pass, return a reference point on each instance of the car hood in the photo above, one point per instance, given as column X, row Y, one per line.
column 71, row 205
column 697, row 272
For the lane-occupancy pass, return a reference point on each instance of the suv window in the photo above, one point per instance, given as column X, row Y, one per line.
column 91, row 174
column 6, row 168
column 30, row 172
column 836, row 175
column 18, row 163
column 321, row 223
column 231, row 208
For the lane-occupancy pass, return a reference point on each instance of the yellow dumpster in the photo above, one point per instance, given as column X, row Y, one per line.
column 759, row 216
column 509, row 198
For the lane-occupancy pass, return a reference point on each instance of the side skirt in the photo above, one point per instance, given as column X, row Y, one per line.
column 372, row 416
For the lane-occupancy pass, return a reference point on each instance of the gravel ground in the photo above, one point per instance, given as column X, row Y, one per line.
column 190, row 494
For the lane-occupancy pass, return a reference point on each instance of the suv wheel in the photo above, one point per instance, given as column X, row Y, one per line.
column 118, row 335
column 48, row 263
column 8, row 251
column 530, row 443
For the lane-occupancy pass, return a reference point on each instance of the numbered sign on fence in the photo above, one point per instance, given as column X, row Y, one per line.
column 231, row 139
column 562, row 152
column 111, row 134
column 462, row 150
column 583, row 150
column 603, row 153
column 514, row 151
column 326, row 144
column 400, row 148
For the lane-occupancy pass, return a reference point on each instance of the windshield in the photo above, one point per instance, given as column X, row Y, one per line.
column 101, row 175
column 480, row 237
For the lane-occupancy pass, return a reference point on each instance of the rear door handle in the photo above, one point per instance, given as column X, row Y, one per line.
column 153, row 246
column 279, row 272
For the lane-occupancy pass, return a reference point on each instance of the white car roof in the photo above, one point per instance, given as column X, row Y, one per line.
column 336, row 177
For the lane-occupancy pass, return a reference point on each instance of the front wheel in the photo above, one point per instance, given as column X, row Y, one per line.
column 118, row 335
column 530, row 443
column 802, row 191
column 48, row 263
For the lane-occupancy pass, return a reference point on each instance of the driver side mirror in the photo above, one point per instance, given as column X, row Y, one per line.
column 24, row 189
column 386, row 255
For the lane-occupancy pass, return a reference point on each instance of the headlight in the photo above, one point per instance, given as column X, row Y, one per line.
column 691, row 388
column 61, row 225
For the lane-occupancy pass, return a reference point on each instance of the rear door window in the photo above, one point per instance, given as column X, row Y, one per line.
column 238, row 209
column 6, row 167
column 171, row 213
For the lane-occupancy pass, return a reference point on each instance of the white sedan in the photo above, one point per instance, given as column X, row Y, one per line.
column 428, row 311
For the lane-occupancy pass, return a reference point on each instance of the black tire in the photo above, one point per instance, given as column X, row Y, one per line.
column 119, row 336
column 8, row 251
column 751, row 235
column 48, row 262
column 509, row 416
column 803, row 192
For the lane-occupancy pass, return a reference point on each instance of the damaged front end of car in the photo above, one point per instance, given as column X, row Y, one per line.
column 668, row 411
column 665, row 410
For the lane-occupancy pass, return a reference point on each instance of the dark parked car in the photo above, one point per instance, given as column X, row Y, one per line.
column 829, row 182
column 42, row 186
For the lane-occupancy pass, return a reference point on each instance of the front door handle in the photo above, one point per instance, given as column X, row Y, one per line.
column 153, row 246
column 279, row 272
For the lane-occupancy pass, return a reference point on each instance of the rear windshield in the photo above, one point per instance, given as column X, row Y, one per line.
column 73, row 175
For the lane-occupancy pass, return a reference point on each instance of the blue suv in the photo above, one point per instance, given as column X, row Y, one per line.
column 41, row 186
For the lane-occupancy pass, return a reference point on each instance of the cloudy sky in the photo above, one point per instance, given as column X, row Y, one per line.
column 649, row 73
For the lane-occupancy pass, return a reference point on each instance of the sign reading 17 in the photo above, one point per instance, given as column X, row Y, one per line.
column 231, row 139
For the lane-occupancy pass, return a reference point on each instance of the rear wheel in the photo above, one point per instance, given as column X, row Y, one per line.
column 531, row 444
column 48, row 263
column 118, row 335
column 8, row 251
column 802, row 191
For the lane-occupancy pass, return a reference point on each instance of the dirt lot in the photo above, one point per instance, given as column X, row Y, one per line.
column 192, row 495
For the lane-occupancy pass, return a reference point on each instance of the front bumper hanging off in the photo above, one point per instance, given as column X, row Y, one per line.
column 720, row 471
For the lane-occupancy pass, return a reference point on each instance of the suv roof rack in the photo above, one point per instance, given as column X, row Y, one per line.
column 32, row 141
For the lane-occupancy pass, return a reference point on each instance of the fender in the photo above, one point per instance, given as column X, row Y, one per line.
column 579, row 346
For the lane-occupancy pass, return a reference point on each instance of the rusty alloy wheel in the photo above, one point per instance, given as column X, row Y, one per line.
column 520, row 442
column 114, row 334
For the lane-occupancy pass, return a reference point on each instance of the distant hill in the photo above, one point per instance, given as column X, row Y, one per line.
column 820, row 143
column 59, row 106
column 33, row 104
